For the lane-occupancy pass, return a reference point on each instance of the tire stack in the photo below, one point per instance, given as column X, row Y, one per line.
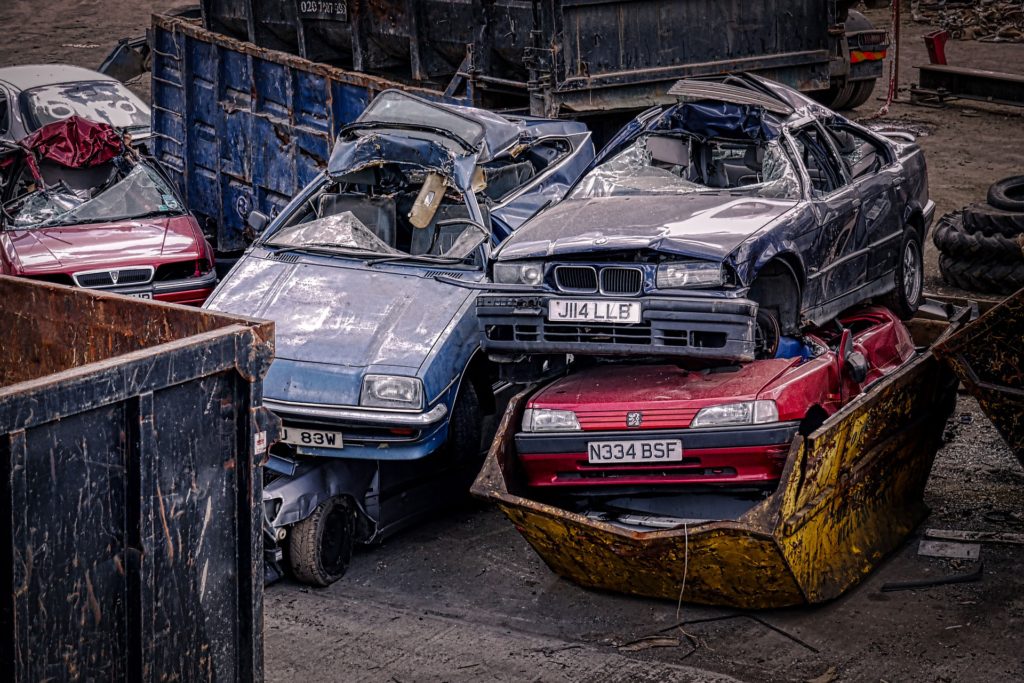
column 981, row 248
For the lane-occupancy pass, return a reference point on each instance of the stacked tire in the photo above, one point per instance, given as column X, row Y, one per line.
column 981, row 248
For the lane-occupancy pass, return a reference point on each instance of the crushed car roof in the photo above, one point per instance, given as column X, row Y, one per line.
column 29, row 76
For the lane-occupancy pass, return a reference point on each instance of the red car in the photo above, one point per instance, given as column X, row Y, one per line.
column 81, row 207
column 618, row 426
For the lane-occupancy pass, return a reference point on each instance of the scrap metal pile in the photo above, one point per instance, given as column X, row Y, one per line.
column 993, row 21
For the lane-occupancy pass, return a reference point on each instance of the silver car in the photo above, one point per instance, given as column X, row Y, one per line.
column 36, row 94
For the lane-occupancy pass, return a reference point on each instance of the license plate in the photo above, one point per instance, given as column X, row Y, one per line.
column 141, row 295
column 593, row 310
column 328, row 10
column 639, row 451
column 311, row 437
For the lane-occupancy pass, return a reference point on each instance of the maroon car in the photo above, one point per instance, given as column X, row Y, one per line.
column 619, row 426
column 81, row 207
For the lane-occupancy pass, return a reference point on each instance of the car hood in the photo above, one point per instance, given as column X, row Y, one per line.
column 698, row 225
column 99, row 245
column 663, row 386
column 343, row 314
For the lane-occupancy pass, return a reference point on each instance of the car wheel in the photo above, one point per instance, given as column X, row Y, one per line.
column 766, row 334
column 320, row 548
column 465, row 430
column 905, row 299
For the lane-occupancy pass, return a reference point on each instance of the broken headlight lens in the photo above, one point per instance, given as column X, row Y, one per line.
column 519, row 273
column 390, row 391
column 676, row 274
column 733, row 414
column 545, row 420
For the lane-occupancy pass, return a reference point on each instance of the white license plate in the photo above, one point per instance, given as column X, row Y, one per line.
column 141, row 295
column 639, row 451
column 311, row 437
column 593, row 310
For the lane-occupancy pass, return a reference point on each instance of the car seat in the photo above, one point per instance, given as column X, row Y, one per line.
column 446, row 235
column 506, row 177
column 86, row 179
column 377, row 213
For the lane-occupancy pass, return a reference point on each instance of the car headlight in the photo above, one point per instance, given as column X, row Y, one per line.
column 732, row 414
column 689, row 274
column 545, row 420
column 389, row 391
column 519, row 273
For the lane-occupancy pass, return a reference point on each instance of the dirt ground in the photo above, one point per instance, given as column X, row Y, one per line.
column 463, row 597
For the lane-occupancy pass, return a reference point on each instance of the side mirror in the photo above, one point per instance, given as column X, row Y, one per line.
column 857, row 365
column 257, row 221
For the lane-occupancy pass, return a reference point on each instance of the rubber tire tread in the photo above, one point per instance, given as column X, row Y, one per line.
column 896, row 300
column 983, row 276
column 465, row 429
column 304, row 545
column 951, row 239
column 861, row 93
column 1003, row 194
column 987, row 220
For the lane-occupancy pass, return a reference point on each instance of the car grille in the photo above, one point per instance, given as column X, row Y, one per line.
column 576, row 278
column 621, row 280
column 588, row 333
column 114, row 278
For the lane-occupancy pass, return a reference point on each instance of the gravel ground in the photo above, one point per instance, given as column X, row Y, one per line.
column 462, row 597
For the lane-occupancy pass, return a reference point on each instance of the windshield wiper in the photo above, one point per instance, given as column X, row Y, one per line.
column 421, row 258
column 326, row 247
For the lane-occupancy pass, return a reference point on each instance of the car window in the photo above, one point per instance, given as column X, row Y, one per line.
column 862, row 155
column 823, row 168
column 662, row 164
column 100, row 101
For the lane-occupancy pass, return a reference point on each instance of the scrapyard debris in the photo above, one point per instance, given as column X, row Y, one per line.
column 969, row 577
column 961, row 551
column 989, row 21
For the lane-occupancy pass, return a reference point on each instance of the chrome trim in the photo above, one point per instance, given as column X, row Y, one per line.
column 151, row 269
column 576, row 290
column 209, row 278
column 384, row 416
column 604, row 269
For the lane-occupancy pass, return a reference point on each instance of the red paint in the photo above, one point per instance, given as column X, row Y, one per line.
column 670, row 396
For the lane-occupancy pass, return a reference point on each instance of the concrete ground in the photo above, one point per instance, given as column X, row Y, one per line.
column 462, row 597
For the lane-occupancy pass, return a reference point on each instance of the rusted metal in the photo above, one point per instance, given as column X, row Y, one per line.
column 939, row 82
column 849, row 495
column 988, row 357
column 131, row 437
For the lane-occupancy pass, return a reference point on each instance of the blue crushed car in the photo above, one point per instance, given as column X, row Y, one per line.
column 378, row 378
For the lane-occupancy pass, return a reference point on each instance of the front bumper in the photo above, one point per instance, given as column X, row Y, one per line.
column 191, row 291
column 720, row 456
column 703, row 327
column 366, row 432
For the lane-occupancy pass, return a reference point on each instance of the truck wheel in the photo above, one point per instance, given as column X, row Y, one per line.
column 321, row 545
column 905, row 299
column 987, row 220
column 861, row 93
column 841, row 95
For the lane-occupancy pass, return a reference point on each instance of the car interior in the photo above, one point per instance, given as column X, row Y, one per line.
column 713, row 163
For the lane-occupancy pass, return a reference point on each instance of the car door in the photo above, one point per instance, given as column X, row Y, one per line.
column 835, row 250
column 875, row 171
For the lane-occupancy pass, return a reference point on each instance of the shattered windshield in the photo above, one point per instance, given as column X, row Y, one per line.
column 661, row 164
column 390, row 211
column 101, row 101
column 140, row 193
column 403, row 111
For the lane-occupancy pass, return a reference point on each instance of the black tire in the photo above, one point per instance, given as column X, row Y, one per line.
column 766, row 334
column 862, row 91
column 904, row 300
column 320, row 546
column 465, row 431
column 951, row 239
column 841, row 95
column 986, row 220
column 982, row 275
column 1008, row 194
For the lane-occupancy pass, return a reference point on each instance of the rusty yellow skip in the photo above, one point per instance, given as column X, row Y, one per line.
column 850, row 493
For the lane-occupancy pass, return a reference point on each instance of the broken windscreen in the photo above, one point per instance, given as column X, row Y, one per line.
column 403, row 111
column 102, row 101
column 138, row 194
column 662, row 164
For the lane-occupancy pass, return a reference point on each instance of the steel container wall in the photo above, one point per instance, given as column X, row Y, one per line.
column 131, row 437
